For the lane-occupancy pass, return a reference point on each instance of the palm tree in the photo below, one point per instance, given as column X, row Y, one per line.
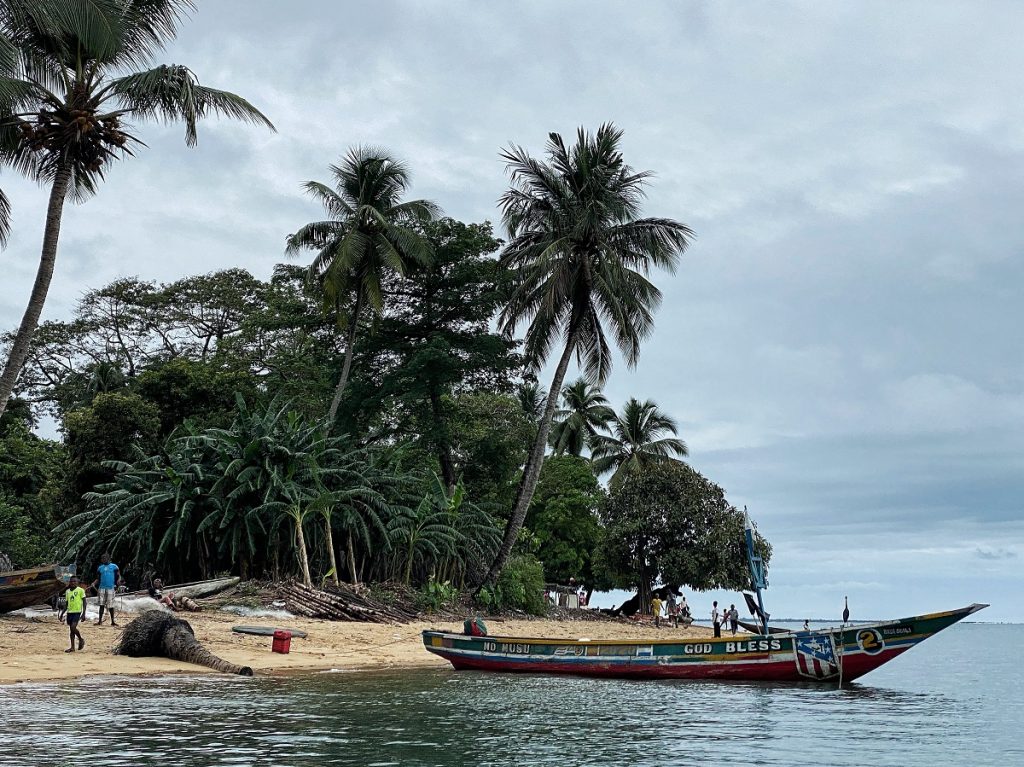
column 71, row 79
column 584, row 411
column 580, row 254
column 531, row 400
column 637, row 441
column 367, row 236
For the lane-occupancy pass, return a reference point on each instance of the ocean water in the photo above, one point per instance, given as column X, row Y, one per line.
column 957, row 699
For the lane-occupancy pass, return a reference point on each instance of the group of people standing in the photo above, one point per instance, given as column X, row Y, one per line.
column 675, row 611
column 108, row 578
column 730, row 617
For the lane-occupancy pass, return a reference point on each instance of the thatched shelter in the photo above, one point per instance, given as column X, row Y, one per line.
column 160, row 634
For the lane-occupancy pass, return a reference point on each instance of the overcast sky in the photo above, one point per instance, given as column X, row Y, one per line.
column 842, row 344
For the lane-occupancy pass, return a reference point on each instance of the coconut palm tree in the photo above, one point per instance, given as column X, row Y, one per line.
column 74, row 76
column 580, row 254
column 637, row 441
column 584, row 412
column 367, row 236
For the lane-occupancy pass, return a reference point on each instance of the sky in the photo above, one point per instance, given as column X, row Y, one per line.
column 841, row 345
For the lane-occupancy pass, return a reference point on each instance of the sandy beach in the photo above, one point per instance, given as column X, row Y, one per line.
column 32, row 649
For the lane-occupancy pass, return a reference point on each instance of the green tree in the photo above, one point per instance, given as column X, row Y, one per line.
column 369, row 234
column 28, row 465
column 563, row 519
column 580, row 254
column 637, row 441
column 201, row 392
column 433, row 339
column 72, row 78
column 669, row 523
column 107, row 430
column 584, row 412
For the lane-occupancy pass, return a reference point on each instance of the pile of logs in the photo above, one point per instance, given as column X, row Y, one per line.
column 340, row 603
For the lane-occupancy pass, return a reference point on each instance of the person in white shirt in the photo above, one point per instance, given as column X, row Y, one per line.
column 716, row 620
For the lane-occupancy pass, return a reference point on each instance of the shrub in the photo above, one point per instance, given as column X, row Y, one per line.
column 519, row 587
column 434, row 595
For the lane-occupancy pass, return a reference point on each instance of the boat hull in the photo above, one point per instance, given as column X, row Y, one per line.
column 826, row 655
column 24, row 588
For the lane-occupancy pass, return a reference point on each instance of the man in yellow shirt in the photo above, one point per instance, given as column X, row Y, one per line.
column 75, row 596
column 656, row 609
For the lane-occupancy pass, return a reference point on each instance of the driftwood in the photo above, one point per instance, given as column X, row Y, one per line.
column 340, row 603
column 159, row 634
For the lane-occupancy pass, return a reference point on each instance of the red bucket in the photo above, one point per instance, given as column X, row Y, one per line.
column 282, row 642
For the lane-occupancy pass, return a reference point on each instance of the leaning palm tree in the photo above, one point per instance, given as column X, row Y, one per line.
column 580, row 254
column 584, row 412
column 72, row 79
column 637, row 441
column 368, row 235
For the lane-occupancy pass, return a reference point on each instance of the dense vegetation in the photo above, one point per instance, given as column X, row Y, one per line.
column 372, row 415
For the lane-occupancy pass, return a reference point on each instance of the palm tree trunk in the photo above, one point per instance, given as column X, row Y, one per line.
column 330, row 549
column 346, row 368
column 353, row 573
column 531, row 472
column 300, row 544
column 30, row 320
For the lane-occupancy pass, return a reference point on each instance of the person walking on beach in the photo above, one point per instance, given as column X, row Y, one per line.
column 108, row 579
column 734, row 619
column 716, row 619
column 75, row 596
column 656, row 609
column 671, row 611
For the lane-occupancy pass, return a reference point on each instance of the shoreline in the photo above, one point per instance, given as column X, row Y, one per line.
column 32, row 649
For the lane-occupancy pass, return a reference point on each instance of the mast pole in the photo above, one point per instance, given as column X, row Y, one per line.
column 757, row 574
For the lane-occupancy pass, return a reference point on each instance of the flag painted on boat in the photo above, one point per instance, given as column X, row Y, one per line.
column 816, row 656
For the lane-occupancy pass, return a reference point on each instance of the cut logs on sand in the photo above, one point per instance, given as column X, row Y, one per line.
column 339, row 603
column 158, row 634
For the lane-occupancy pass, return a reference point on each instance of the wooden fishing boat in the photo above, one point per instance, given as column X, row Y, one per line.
column 24, row 588
column 840, row 654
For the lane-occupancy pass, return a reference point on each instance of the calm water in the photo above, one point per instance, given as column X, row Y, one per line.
column 956, row 700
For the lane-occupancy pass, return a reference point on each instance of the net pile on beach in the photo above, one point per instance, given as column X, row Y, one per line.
column 339, row 603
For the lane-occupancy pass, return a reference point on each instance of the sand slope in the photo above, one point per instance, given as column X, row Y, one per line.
column 33, row 649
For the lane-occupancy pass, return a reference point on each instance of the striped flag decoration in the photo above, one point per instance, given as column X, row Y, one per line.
column 816, row 656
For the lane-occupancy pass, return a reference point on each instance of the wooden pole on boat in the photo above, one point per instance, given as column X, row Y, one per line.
column 757, row 576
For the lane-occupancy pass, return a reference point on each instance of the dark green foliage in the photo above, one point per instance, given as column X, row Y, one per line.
column 112, row 428
column 519, row 587
column 433, row 338
column 490, row 437
column 201, row 392
column 563, row 519
column 668, row 523
column 27, row 467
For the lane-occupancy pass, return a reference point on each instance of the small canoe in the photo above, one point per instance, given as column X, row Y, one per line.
column 34, row 586
column 820, row 655
column 193, row 590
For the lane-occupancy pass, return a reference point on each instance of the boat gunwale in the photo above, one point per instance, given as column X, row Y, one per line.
column 969, row 610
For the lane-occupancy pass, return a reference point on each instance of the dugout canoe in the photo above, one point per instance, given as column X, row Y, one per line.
column 193, row 590
column 840, row 654
column 33, row 586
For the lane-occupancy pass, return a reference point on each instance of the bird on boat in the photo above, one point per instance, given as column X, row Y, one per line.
column 846, row 610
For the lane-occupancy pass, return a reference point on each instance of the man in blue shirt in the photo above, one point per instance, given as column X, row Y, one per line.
column 109, row 578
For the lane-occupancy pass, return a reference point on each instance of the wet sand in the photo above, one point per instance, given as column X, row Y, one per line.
column 32, row 649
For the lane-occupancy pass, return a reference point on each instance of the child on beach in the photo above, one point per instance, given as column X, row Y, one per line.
column 656, row 609
column 75, row 596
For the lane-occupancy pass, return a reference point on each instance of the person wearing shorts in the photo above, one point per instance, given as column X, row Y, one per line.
column 75, row 596
column 108, row 579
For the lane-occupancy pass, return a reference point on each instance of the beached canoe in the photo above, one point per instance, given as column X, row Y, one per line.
column 821, row 655
column 24, row 588
column 194, row 590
